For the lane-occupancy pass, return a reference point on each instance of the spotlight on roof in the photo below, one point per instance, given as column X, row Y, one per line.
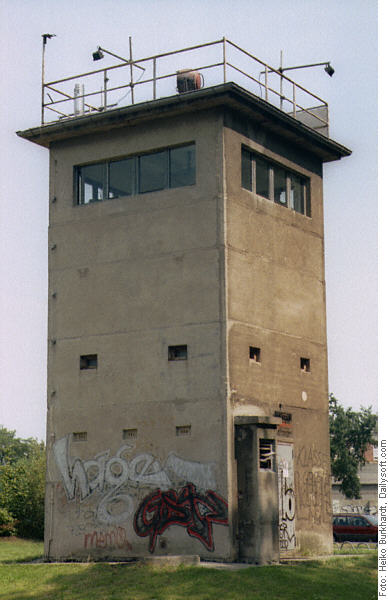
column 98, row 54
column 329, row 69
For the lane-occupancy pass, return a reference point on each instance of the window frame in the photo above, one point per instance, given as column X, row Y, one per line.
column 79, row 188
column 250, row 183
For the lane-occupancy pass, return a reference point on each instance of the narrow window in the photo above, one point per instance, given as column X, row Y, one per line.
column 91, row 181
column 88, row 361
column 280, row 186
column 153, row 172
column 305, row 364
column 182, row 166
column 80, row 436
column 183, row 430
column 267, row 454
column 262, row 178
column 254, row 353
column 246, row 170
column 297, row 193
column 122, row 178
column 129, row 434
column 177, row 352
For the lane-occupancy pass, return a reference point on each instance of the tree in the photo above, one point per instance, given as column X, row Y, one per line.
column 13, row 448
column 350, row 434
column 22, row 483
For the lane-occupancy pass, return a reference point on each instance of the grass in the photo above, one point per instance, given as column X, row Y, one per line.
column 353, row 578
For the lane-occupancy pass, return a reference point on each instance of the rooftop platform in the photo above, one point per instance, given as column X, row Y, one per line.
column 257, row 91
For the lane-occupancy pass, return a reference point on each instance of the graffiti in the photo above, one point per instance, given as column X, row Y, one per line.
column 312, row 490
column 313, row 485
column 187, row 508
column 201, row 475
column 287, row 538
column 114, row 481
column 115, row 538
column 353, row 508
column 311, row 457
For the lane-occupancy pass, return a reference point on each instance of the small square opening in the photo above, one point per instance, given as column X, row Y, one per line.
column 129, row 434
column 267, row 454
column 177, row 352
column 80, row 436
column 254, row 354
column 305, row 364
column 88, row 361
column 183, row 430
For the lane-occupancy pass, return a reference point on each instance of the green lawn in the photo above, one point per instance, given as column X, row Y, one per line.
column 336, row 579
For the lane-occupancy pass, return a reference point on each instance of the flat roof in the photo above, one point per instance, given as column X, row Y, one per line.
column 228, row 95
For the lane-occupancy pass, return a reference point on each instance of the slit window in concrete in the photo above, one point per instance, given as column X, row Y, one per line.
column 305, row 365
column 129, row 434
column 267, row 454
column 88, row 361
column 177, row 352
column 183, row 430
column 254, row 354
column 80, row 436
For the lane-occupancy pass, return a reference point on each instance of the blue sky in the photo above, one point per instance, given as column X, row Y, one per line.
column 307, row 31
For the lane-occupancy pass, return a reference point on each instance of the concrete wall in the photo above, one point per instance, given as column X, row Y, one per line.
column 276, row 302
column 217, row 268
column 130, row 277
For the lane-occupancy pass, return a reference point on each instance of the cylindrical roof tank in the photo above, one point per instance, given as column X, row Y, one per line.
column 188, row 80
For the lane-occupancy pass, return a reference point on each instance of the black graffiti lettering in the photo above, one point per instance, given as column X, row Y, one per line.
column 187, row 508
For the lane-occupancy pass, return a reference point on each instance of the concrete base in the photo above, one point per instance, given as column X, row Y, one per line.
column 171, row 561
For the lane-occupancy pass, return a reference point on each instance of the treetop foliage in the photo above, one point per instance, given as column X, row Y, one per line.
column 351, row 433
column 13, row 448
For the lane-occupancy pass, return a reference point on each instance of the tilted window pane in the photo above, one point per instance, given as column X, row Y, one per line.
column 182, row 166
column 262, row 178
column 280, row 186
column 246, row 170
column 122, row 178
column 153, row 171
column 307, row 198
column 297, row 191
column 91, row 183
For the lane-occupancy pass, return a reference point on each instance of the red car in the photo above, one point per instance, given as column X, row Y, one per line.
column 354, row 528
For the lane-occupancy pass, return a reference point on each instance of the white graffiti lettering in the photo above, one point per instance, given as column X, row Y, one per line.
column 202, row 475
column 116, row 478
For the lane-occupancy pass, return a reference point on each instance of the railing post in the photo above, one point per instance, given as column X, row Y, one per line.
column 106, row 79
column 293, row 99
column 154, row 77
column 224, row 56
column 266, row 83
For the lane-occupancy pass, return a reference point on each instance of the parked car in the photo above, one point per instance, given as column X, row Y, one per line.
column 354, row 528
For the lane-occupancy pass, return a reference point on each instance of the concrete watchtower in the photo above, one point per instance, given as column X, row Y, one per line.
column 187, row 362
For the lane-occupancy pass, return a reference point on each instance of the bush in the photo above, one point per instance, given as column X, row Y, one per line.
column 22, row 493
column 7, row 523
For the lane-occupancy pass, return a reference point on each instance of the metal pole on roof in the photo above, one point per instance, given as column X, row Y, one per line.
column 224, row 56
column 131, row 68
column 45, row 37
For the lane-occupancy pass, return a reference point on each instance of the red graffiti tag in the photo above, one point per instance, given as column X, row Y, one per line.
column 115, row 538
column 187, row 508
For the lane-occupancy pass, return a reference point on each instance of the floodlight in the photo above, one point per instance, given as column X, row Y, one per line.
column 98, row 54
column 329, row 69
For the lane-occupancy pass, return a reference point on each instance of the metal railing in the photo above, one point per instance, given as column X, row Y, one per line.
column 246, row 70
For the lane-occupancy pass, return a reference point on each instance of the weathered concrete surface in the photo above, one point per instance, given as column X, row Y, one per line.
column 215, row 267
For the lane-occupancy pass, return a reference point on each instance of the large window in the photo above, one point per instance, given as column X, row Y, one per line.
column 168, row 168
column 275, row 183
